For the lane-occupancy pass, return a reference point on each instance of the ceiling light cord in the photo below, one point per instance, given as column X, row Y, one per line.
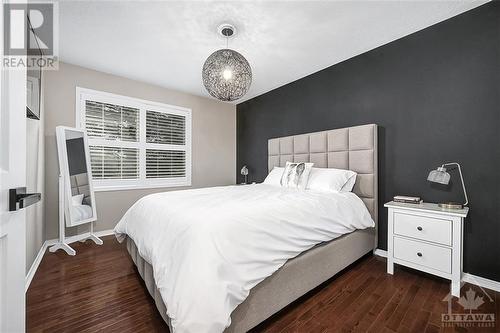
column 227, row 40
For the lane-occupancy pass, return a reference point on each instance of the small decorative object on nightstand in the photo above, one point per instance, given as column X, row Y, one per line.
column 426, row 237
column 244, row 172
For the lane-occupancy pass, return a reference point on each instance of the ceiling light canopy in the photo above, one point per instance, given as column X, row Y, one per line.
column 226, row 74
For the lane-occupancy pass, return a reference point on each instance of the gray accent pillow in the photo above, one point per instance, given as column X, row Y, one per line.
column 296, row 175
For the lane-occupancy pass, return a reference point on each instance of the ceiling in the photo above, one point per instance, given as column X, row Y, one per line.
column 166, row 43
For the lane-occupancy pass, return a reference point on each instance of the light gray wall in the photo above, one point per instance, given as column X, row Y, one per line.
column 35, row 165
column 213, row 137
column 35, row 226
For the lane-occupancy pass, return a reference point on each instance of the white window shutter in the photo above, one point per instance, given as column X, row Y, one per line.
column 165, row 163
column 165, row 128
column 114, row 162
column 111, row 122
column 135, row 143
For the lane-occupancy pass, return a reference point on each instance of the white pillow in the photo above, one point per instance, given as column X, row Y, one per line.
column 296, row 175
column 331, row 180
column 349, row 185
column 274, row 177
column 77, row 199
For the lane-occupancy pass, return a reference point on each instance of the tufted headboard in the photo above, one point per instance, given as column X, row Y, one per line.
column 353, row 148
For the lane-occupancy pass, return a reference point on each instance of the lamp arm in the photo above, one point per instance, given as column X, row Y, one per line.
column 461, row 178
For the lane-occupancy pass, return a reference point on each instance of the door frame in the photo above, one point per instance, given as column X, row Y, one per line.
column 12, row 175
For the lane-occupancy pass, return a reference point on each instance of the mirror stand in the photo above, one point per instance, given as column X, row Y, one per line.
column 91, row 236
column 61, row 243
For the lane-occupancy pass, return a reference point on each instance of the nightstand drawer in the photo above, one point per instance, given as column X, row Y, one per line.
column 423, row 254
column 422, row 227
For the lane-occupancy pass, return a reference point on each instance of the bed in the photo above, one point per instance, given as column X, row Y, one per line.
column 353, row 148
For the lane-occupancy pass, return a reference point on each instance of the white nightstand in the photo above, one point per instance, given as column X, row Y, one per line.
column 428, row 238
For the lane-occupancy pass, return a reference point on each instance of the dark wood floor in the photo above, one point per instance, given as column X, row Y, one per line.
column 99, row 290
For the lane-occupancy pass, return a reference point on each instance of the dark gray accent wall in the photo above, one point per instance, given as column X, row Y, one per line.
column 435, row 95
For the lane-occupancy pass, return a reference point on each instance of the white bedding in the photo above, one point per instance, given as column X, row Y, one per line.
column 82, row 212
column 209, row 247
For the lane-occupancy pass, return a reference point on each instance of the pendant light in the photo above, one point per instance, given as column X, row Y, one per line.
column 226, row 74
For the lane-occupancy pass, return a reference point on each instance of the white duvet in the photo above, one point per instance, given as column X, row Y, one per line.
column 209, row 247
column 82, row 212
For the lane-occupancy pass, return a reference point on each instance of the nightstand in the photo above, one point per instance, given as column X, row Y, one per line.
column 428, row 238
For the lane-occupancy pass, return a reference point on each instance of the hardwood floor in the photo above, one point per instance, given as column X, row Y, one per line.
column 99, row 290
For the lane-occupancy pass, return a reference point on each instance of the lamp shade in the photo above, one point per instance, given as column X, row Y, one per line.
column 440, row 175
column 244, row 170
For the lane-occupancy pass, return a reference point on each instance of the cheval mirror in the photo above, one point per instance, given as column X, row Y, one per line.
column 76, row 194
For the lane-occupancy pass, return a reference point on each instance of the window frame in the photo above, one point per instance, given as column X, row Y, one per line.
column 84, row 94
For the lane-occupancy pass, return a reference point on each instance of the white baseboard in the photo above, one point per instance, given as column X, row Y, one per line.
column 49, row 243
column 34, row 265
column 380, row 253
column 482, row 282
column 466, row 277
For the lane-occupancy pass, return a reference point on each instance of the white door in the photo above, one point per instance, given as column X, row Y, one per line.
column 12, row 175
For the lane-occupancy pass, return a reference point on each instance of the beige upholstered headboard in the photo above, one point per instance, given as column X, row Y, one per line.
column 353, row 148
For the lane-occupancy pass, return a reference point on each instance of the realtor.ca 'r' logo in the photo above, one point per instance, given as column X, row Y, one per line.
column 28, row 28
column 30, row 35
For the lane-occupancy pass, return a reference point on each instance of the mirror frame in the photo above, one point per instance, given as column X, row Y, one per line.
column 65, row 177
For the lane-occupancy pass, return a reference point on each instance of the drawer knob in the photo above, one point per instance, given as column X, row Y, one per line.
column 419, row 228
column 419, row 254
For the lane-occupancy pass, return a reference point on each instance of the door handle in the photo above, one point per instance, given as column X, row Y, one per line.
column 18, row 198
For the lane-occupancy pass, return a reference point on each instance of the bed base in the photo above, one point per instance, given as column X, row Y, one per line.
column 297, row 277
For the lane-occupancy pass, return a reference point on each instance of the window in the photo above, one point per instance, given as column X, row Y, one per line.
column 135, row 143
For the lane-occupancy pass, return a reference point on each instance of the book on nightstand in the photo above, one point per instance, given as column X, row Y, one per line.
column 407, row 199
